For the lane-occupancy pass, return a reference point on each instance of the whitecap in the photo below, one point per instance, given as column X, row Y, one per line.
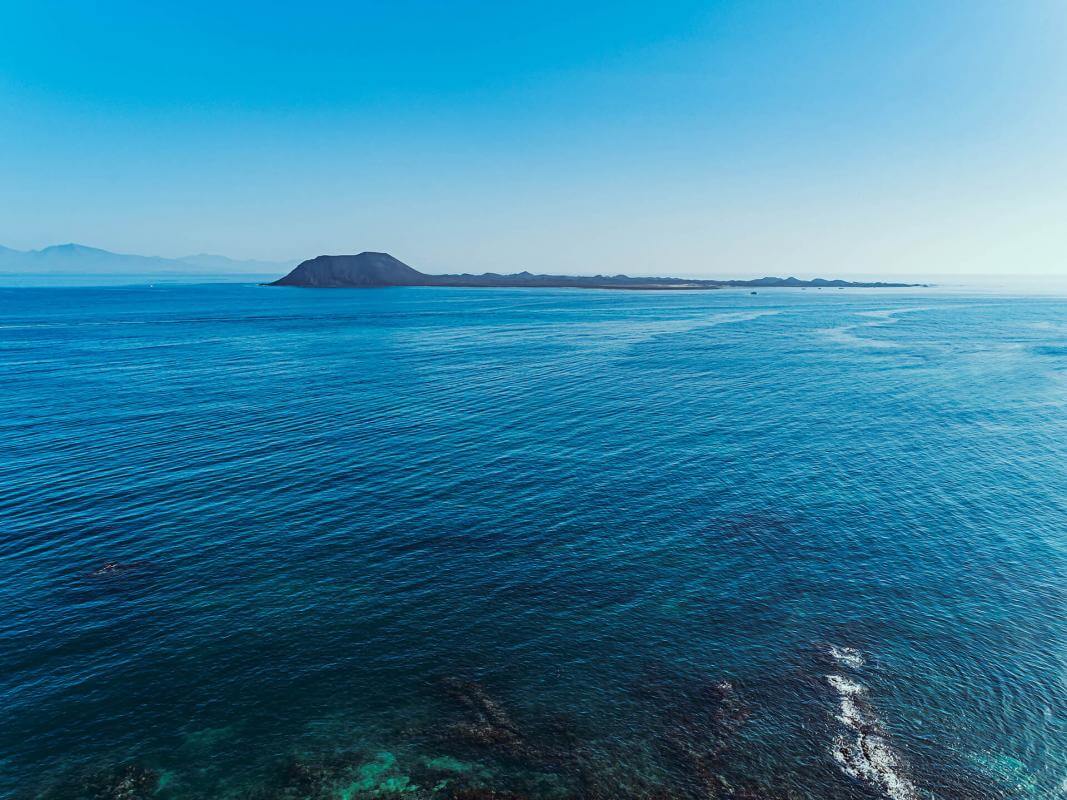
column 847, row 656
column 853, row 717
column 870, row 759
column 865, row 753
column 845, row 686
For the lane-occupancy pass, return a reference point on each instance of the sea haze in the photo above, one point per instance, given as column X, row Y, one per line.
column 79, row 264
column 280, row 543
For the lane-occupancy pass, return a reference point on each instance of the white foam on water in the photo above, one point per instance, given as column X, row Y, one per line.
column 844, row 686
column 851, row 714
column 843, row 333
column 740, row 316
column 889, row 315
column 847, row 656
column 870, row 759
column 864, row 753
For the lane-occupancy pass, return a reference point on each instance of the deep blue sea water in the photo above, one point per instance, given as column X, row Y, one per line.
column 280, row 543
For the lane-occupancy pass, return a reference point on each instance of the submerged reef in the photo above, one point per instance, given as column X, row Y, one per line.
column 699, row 719
column 697, row 744
column 121, row 782
column 488, row 723
column 116, row 568
column 343, row 775
column 130, row 782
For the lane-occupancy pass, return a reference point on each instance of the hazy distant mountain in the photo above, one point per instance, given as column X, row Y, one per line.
column 226, row 264
column 365, row 270
column 77, row 259
column 375, row 270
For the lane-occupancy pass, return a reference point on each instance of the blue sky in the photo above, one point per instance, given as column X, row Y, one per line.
column 716, row 138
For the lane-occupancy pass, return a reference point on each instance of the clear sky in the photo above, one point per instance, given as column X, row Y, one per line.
column 852, row 138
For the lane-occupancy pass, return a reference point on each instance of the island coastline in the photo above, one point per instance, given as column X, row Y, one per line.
column 372, row 270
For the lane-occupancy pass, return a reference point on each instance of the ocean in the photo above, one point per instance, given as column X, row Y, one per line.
column 474, row 543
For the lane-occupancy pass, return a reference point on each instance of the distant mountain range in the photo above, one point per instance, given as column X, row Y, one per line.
column 378, row 270
column 77, row 259
column 365, row 270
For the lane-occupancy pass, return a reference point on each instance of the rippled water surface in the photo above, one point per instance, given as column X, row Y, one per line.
column 277, row 543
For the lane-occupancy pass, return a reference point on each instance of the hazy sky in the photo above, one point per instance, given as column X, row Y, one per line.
column 857, row 137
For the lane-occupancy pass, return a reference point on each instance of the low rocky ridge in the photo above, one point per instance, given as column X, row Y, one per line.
column 379, row 270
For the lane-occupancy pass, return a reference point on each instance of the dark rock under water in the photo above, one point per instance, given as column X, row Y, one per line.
column 593, row 510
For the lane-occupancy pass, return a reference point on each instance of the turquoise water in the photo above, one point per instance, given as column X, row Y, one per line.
column 277, row 543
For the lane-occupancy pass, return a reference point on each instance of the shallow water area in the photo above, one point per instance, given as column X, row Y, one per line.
column 281, row 543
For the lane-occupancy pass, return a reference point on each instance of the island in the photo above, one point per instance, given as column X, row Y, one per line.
column 370, row 270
